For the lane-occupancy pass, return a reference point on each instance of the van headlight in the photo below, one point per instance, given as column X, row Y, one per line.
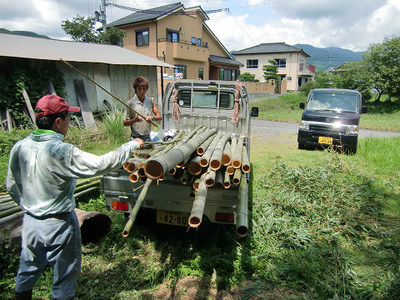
column 352, row 129
column 304, row 125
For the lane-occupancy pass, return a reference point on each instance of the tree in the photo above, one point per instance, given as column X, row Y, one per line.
column 83, row 30
column 271, row 71
column 248, row 77
column 353, row 75
column 382, row 61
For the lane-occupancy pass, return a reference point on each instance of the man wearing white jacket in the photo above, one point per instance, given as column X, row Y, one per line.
column 41, row 178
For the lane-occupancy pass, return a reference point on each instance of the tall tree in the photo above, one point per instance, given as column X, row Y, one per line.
column 83, row 30
column 383, row 63
column 271, row 71
column 353, row 75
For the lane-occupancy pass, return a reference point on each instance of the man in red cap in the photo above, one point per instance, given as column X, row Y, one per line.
column 41, row 178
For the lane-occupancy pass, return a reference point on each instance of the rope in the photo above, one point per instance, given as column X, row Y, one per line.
column 176, row 111
column 236, row 106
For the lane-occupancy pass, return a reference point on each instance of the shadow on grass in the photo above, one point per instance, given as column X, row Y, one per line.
column 157, row 256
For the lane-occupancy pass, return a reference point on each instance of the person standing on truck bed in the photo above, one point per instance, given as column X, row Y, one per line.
column 145, row 106
column 41, row 178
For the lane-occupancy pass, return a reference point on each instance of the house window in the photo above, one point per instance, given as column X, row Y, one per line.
column 281, row 62
column 172, row 36
column 193, row 40
column 228, row 74
column 199, row 42
column 180, row 71
column 142, row 37
column 252, row 64
column 201, row 73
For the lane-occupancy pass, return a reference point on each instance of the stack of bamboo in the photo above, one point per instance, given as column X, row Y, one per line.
column 220, row 159
column 202, row 158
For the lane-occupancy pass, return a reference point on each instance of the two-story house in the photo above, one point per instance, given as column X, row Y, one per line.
column 179, row 36
column 291, row 61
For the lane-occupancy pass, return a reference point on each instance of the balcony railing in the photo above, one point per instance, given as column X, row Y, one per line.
column 203, row 44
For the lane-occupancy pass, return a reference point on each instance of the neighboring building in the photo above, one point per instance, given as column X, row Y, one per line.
column 179, row 36
column 292, row 63
column 113, row 67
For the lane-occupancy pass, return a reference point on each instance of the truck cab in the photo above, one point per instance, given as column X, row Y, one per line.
column 221, row 106
column 331, row 119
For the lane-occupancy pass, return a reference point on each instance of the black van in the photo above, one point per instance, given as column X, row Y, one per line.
column 330, row 118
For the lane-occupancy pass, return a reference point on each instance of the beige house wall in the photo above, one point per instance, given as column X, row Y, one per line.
column 291, row 71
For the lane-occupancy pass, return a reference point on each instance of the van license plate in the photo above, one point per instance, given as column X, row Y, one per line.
column 325, row 140
column 172, row 218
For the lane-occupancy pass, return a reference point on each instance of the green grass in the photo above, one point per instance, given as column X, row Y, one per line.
column 382, row 116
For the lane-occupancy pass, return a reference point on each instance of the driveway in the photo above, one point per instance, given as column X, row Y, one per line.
column 271, row 128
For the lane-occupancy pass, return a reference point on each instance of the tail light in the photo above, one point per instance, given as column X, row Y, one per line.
column 225, row 217
column 117, row 205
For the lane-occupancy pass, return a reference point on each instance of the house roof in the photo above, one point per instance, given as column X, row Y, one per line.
column 48, row 49
column 148, row 14
column 267, row 48
column 224, row 60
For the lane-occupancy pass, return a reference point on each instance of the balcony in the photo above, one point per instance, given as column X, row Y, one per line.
column 306, row 70
column 184, row 50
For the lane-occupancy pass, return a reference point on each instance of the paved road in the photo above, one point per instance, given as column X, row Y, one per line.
column 272, row 128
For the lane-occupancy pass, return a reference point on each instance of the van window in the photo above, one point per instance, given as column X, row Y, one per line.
column 206, row 99
column 339, row 102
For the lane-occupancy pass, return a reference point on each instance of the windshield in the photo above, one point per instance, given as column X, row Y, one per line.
column 329, row 101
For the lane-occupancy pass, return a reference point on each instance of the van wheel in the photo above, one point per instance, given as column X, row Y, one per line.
column 351, row 150
column 301, row 146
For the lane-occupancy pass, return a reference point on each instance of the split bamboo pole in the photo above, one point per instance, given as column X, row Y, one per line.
column 196, row 214
column 135, row 209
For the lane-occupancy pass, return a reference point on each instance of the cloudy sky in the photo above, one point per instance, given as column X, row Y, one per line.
column 349, row 24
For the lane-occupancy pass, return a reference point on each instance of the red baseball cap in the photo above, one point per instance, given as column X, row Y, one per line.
column 52, row 104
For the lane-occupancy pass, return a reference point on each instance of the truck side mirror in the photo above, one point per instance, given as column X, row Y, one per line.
column 364, row 110
column 254, row 111
column 301, row 105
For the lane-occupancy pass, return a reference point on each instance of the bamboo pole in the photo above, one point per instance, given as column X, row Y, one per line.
column 194, row 166
column 237, row 156
column 204, row 146
column 219, row 178
column 227, row 154
column 245, row 161
column 216, row 158
column 135, row 209
column 111, row 94
column 159, row 166
column 242, row 221
column 236, row 177
column 134, row 177
column 196, row 214
column 227, row 180
column 207, row 155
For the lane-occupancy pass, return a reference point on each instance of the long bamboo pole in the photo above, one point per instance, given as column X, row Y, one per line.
column 135, row 209
column 111, row 94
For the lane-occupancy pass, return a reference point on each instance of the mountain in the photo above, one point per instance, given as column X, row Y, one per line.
column 25, row 33
column 324, row 58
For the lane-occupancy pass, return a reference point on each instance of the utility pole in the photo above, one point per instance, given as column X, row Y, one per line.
column 101, row 16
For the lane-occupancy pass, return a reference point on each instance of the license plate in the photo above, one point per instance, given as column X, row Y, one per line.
column 172, row 218
column 325, row 140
